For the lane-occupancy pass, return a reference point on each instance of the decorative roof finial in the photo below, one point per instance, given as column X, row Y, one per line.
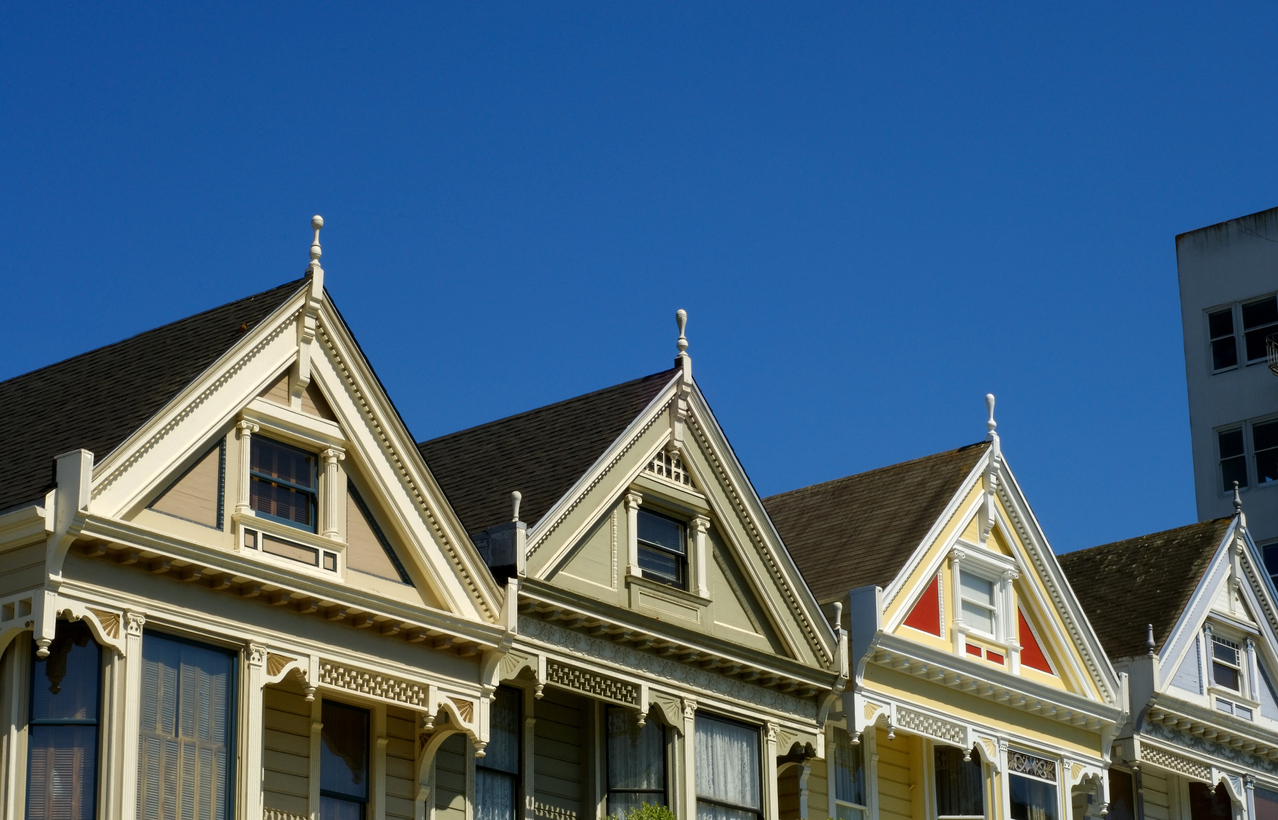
column 317, row 222
column 681, row 319
column 991, row 424
column 1237, row 500
column 1149, row 639
column 515, row 498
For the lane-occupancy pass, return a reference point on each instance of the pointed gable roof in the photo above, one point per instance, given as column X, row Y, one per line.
column 98, row 399
column 861, row 530
column 1128, row 584
column 541, row 452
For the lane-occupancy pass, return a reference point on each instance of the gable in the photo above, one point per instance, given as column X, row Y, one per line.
column 197, row 494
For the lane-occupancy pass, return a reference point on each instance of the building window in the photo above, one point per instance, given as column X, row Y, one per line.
column 1032, row 787
column 1122, row 796
column 1224, row 347
column 1264, row 442
column 1233, row 458
column 636, row 763
column 849, row 779
column 1207, row 803
column 979, row 609
column 1226, row 664
column 186, row 754
column 343, row 762
column 960, row 784
column 1260, row 320
column 63, row 730
column 497, row 772
column 283, row 483
column 1266, row 804
column 663, row 550
column 728, row 763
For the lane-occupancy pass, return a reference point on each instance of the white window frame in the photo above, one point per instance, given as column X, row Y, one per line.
column 685, row 507
column 1233, row 310
column 1240, row 333
column 1001, row 571
column 866, row 747
column 1222, row 698
column 933, row 813
column 1062, row 790
column 1249, row 453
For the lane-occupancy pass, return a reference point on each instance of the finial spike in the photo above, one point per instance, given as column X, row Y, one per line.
column 1149, row 639
column 989, row 405
column 515, row 498
column 1237, row 499
column 681, row 319
column 838, row 614
column 317, row 222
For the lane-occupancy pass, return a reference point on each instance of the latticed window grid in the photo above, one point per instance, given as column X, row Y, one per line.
column 670, row 467
column 1028, row 764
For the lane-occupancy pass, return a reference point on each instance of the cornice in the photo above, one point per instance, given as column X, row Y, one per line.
column 1211, row 732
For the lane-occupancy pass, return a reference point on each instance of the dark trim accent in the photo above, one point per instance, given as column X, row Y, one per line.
column 221, row 483
column 377, row 531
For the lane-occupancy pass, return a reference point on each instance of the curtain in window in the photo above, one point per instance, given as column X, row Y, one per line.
column 1266, row 804
column 343, row 762
column 63, row 731
column 1032, row 799
column 960, row 784
column 849, row 776
column 497, row 772
column 636, row 762
column 727, row 762
column 185, row 755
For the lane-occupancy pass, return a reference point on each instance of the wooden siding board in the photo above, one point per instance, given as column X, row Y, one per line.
column 450, row 780
column 286, row 751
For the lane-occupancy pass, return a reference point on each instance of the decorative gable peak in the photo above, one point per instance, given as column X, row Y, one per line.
column 670, row 467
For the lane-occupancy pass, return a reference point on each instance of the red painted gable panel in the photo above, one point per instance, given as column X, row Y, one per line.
column 1031, row 653
column 926, row 615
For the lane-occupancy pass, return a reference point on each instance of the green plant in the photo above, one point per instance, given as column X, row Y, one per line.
column 647, row 811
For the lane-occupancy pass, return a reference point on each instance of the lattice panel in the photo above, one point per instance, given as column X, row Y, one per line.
column 592, row 684
column 1175, row 763
column 1022, row 763
column 670, row 467
column 377, row 686
column 931, row 726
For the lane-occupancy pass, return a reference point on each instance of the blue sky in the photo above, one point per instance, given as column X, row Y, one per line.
column 873, row 214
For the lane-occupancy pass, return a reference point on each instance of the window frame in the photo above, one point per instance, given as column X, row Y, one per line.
column 1231, row 336
column 368, row 761
column 867, row 811
column 311, row 493
column 665, row 760
column 1271, row 327
column 1247, row 428
column 1058, row 783
column 517, row 776
column 681, row 559
column 1239, row 333
column 760, row 812
column 932, row 773
column 994, row 607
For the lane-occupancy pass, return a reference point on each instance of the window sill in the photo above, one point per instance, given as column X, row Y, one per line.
column 682, row 596
column 1231, row 696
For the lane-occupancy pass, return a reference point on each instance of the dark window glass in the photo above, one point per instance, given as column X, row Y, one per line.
column 1032, row 799
column 1271, row 561
column 1225, row 664
column 849, row 777
column 1260, row 319
column 497, row 772
column 1233, row 460
column 186, row 750
column 727, row 759
column 1266, row 804
column 636, row 763
column 1264, row 442
column 1122, row 796
column 1206, row 803
column 1224, row 346
column 662, row 550
column 343, row 762
column 63, row 733
column 960, row 784
column 282, row 482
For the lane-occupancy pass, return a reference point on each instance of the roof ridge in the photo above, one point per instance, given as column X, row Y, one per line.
column 875, row 470
column 1160, row 533
column 552, row 405
column 125, row 340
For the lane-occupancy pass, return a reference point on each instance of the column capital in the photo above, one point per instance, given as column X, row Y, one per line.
column 633, row 500
column 133, row 623
column 700, row 524
column 332, row 455
column 247, row 428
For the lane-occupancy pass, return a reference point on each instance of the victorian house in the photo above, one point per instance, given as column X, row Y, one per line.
column 978, row 688
column 1189, row 616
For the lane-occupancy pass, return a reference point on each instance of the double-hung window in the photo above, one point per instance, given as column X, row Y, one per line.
column 343, row 762
column 63, row 730
column 1255, row 442
column 1033, row 787
column 636, row 763
column 728, row 763
column 187, row 749
column 1260, row 320
column 283, row 483
column 1224, row 347
column 663, row 549
column 960, row 785
column 1266, row 804
column 1226, row 664
column 980, row 610
column 849, row 779
column 497, row 772
column 1233, row 458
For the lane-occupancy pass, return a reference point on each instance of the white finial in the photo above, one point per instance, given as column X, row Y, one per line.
column 1237, row 500
column 989, row 405
column 515, row 498
column 838, row 615
column 317, row 222
column 681, row 319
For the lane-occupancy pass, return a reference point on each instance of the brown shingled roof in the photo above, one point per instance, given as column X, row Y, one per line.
column 860, row 530
column 98, row 399
column 1126, row 585
column 541, row 452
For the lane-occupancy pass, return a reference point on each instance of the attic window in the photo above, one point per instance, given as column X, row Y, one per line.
column 1226, row 664
column 663, row 549
column 283, row 483
column 671, row 467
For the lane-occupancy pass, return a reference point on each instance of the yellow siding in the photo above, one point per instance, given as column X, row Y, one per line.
column 818, row 791
column 788, row 793
column 450, row 779
column 558, row 758
column 897, row 776
column 401, row 773
column 921, row 568
column 287, row 751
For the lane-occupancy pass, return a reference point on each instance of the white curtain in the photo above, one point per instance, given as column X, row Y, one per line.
column 1032, row 799
column 849, row 776
column 728, row 764
column 185, row 755
column 497, row 771
column 636, row 762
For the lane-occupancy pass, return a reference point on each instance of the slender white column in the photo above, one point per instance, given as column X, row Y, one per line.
column 633, row 501
column 13, row 754
column 330, row 500
column 688, row 744
column 700, row 525
column 244, row 432
column 252, row 731
column 130, row 733
column 805, row 771
column 526, row 759
column 772, row 810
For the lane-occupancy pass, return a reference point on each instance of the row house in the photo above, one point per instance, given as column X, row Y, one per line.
column 232, row 585
column 1189, row 615
column 978, row 689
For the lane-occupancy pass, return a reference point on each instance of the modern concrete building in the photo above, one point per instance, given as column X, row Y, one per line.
column 1229, row 309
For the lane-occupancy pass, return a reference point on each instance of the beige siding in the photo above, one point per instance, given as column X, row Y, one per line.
column 22, row 568
column 312, row 399
column 559, row 760
column 286, row 756
column 819, row 791
column 450, row 779
column 895, row 777
column 788, row 792
column 401, row 774
column 1155, row 788
column 195, row 495
column 363, row 551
